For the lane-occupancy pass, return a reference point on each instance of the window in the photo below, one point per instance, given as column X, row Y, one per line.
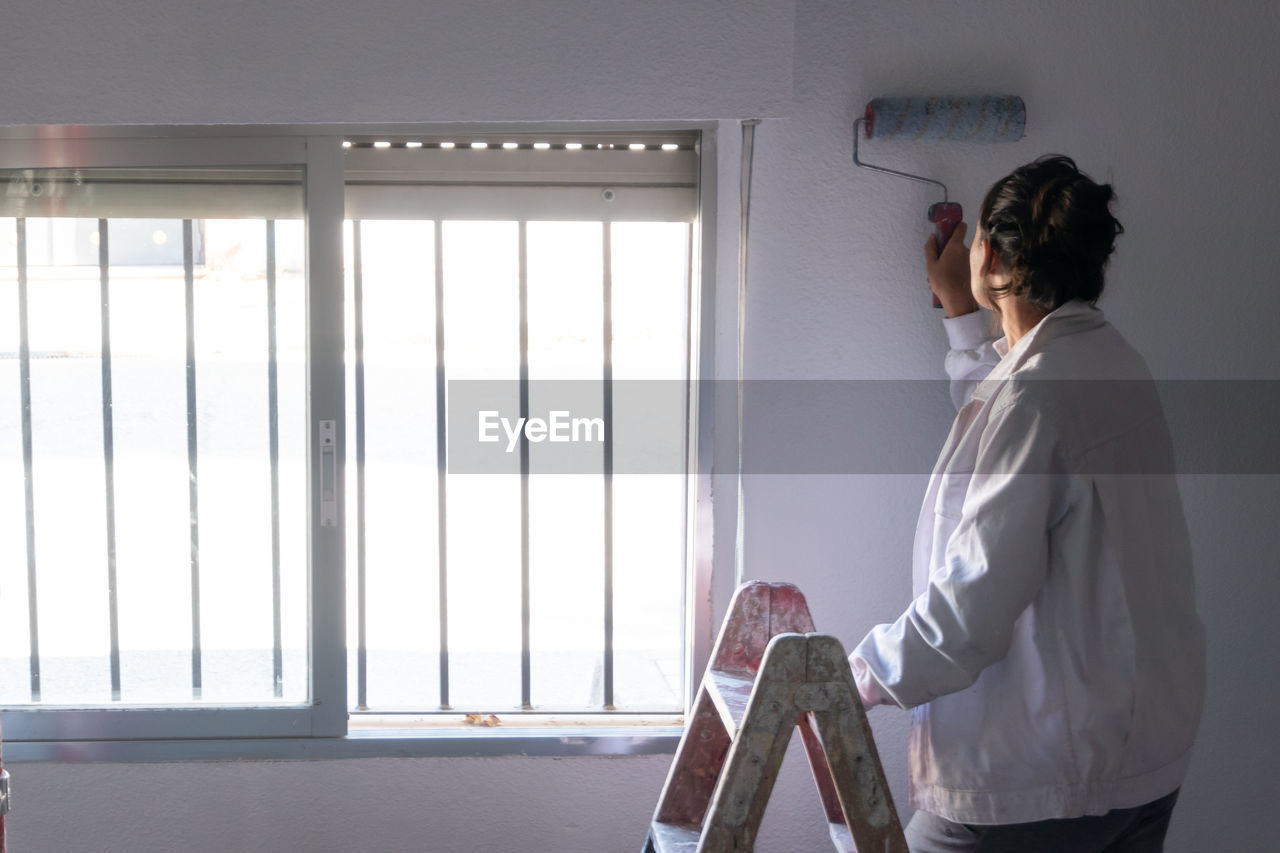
column 243, row 404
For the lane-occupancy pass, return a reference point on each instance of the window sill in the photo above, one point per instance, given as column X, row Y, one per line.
column 450, row 742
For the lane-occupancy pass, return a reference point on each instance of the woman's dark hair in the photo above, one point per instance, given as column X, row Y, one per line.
column 1052, row 228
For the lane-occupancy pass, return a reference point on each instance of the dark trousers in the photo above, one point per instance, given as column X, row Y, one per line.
column 1136, row 830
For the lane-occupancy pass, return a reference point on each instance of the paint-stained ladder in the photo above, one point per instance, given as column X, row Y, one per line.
column 770, row 673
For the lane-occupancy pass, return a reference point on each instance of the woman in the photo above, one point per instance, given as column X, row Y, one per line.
column 1053, row 657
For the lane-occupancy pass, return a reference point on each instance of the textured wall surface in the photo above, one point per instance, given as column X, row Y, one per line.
column 388, row 805
column 152, row 61
column 1170, row 100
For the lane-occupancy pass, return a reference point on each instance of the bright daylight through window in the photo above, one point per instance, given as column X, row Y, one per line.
column 165, row 476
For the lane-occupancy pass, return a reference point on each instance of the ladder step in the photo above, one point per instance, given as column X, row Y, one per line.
column 674, row 837
column 842, row 838
column 730, row 691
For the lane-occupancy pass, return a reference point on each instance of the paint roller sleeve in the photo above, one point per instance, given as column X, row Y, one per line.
column 977, row 118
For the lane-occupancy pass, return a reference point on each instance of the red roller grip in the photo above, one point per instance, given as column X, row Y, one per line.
column 945, row 216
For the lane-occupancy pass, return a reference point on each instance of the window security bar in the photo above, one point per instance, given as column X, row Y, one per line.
column 31, row 471
column 24, row 382
column 115, row 607
column 526, row 656
column 442, row 467
column 189, row 302
column 606, row 274
column 192, row 402
column 108, row 455
column 358, row 283
column 362, row 645
column 273, row 444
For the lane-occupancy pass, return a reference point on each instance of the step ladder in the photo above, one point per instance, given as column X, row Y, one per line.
column 770, row 673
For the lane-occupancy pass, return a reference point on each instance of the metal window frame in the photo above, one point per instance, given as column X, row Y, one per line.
column 617, row 185
column 320, row 164
column 319, row 728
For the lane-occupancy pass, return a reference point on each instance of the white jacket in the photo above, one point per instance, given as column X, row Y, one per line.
column 1053, row 655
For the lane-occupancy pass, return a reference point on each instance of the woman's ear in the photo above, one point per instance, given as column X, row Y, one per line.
column 991, row 265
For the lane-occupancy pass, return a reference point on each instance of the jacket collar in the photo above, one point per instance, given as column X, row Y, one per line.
column 1070, row 318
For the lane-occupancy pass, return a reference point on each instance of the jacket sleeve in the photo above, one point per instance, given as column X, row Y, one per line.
column 993, row 566
column 972, row 353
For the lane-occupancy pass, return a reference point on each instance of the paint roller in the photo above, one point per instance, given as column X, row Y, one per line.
column 976, row 118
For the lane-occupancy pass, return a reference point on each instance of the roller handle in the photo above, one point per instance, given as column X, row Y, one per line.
column 945, row 216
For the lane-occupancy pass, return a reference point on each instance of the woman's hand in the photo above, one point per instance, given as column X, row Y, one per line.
column 948, row 273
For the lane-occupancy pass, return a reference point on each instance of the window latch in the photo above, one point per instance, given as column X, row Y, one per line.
column 328, row 474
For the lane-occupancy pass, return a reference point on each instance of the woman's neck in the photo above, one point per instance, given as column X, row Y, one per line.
column 1018, row 317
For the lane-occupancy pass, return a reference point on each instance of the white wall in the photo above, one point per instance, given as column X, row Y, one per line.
column 1172, row 100
column 151, row 61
